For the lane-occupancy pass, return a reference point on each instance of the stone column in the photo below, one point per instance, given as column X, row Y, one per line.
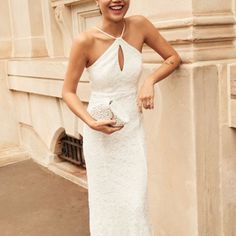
column 27, row 28
column 9, row 135
column 191, row 143
column 5, row 31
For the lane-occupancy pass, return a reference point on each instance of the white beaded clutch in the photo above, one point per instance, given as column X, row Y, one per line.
column 107, row 111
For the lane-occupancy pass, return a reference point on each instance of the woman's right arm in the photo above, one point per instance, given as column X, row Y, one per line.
column 75, row 67
column 77, row 62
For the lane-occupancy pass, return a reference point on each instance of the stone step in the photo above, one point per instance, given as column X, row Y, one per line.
column 70, row 171
column 11, row 154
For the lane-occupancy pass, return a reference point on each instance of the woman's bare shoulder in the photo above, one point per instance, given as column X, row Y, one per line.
column 139, row 23
column 137, row 20
column 144, row 26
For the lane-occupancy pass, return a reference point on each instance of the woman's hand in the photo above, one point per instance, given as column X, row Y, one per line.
column 105, row 126
column 146, row 95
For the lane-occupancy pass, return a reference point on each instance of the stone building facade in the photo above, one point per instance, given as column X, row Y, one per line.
column 191, row 133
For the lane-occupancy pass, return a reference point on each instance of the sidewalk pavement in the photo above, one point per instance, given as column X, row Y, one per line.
column 34, row 202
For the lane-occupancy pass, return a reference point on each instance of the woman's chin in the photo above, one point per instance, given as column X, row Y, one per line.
column 116, row 17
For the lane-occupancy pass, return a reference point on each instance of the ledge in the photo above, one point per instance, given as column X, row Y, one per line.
column 223, row 19
column 41, row 68
column 55, row 3
column 43, row 77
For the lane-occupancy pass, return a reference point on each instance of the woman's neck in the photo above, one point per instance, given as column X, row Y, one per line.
column 112, row 27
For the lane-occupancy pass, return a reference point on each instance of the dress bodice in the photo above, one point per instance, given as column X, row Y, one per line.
column 105, row 73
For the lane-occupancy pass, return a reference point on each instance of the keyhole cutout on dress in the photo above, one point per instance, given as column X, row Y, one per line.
column 121, row 58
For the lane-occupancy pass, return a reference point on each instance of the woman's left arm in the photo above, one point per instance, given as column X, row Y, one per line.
column 172, row 60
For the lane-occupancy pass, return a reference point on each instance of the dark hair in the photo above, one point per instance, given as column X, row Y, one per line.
column 100, row 11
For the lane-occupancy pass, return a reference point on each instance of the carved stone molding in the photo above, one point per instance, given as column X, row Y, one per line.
column 71, row 18
column 56, row 3
column 198, row 28
column 42, row 77
column 84, row 17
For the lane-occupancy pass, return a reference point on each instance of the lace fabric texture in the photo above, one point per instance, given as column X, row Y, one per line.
column 109, row 110
column 116, row 163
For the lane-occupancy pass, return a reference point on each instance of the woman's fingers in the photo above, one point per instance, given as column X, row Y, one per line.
column 147, row 103
column 106, row 126
column 139, row 104
column 114, row 129
column 151, row 103
column 107, row 122
column 110, row 129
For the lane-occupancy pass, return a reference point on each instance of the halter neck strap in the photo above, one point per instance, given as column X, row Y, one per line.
column 109, row 35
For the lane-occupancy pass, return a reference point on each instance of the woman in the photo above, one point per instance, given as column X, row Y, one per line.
column 116, row 155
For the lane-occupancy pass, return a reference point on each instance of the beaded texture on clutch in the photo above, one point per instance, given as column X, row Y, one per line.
column 108, row 111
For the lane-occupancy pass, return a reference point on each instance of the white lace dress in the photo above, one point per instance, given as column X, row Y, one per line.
column 116, row 163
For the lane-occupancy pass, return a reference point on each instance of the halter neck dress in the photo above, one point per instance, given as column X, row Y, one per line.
column 116, row 163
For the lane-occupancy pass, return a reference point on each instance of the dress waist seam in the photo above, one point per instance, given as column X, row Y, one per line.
column 115, row 94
